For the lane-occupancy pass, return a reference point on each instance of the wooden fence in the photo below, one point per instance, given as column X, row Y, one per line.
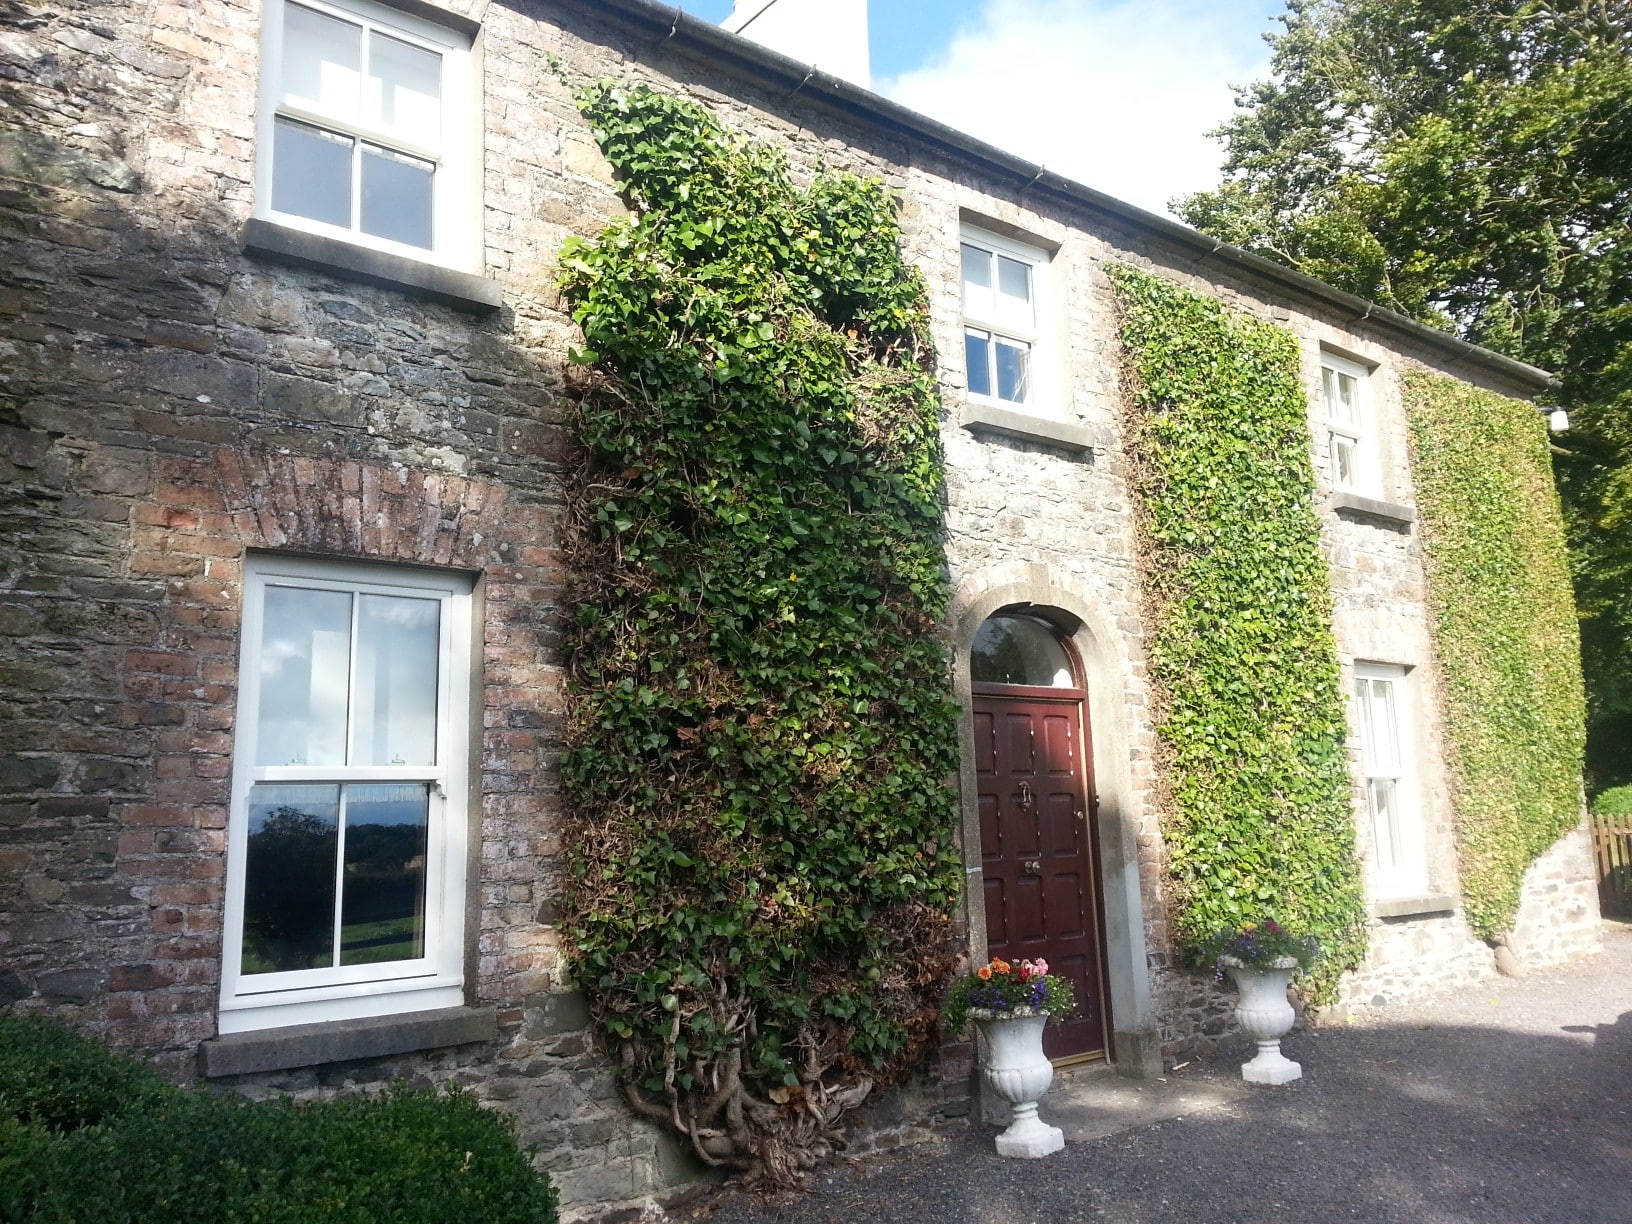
column 1612, row 851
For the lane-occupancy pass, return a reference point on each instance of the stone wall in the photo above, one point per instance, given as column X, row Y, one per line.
column 168, row 401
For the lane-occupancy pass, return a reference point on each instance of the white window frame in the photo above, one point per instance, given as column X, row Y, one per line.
column 1038, row 336
column 1359, row 434
column 455, row 150
column 274, row 1000
column 1399, row 846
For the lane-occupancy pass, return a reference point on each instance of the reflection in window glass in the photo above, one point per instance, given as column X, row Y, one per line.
column 405, row 87
column 1385, row 823
column 322, row 58
column 1013, row 371
column 1014, row 292
column 1019, row 650
column 289, row 878
column 305, row 667
column 382, row 909
column 397, row 197
column 977, row 280
column 311, row 173
column 978, row 359
column 395, row 698
column 296, row 834
column 1345, row 464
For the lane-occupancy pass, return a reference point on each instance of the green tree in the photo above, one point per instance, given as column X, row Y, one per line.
column 1466, row 162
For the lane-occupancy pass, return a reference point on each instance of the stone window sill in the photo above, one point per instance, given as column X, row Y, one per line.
column 1073, row 439
column 312, row 1045
column 1389, row 514
column 282, row 244
column 1414, row 907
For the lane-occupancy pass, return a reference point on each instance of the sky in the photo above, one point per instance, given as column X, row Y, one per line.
column 1117, row 95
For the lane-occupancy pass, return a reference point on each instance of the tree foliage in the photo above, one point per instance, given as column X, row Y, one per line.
column 761, row 855
column 1466, row 162
column 1258, row 812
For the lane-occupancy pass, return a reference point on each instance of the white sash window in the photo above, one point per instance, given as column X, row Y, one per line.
column 1382, row 715
column 367, row 128
column 346, row 842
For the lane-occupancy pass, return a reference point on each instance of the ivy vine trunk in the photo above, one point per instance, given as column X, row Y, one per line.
column 761, row 865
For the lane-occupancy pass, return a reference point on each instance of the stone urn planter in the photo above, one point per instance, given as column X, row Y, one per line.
column 1018, row 1071
column 1264, row 1014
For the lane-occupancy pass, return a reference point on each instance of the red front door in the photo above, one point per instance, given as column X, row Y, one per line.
column 1039, row 866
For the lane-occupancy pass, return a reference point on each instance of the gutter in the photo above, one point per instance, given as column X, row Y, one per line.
column 747, row 60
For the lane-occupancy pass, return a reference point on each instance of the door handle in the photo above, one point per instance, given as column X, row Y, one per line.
column 1032, row 867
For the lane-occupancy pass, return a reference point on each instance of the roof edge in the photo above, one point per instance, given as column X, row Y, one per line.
column 740, row 56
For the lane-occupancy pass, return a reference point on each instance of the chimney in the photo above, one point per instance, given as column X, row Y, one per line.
column 831, row 34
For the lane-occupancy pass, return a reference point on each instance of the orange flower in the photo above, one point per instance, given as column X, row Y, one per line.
column 1001, row 966
column 983, row 973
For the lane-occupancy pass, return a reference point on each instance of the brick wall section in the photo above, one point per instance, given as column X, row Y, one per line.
column 168, row 403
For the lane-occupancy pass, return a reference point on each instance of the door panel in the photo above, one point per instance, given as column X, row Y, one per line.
column 1037, row 852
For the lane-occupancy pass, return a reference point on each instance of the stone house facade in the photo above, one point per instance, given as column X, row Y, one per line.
column 285, row 379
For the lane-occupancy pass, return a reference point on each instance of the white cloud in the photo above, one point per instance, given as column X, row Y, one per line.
column 1115, row 95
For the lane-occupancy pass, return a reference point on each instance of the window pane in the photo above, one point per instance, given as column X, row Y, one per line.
column 305, row 666
column 1345, row 461
column 397, row 197
column 311, row 173
column 1348, row 398
column 289, row 878
column 404, row 88
column 1013, row 371
column 1019, row 650
column 1013, row 278
column 322, row 57
column 396, row 681
column 977, row 359
column 382, row 914
column 1385, row 823
column 977, row 282
column 1014, row 294
column 1385, row 756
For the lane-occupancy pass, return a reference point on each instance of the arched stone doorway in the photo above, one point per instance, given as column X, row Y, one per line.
column 1037, row 801
column 1114, row 744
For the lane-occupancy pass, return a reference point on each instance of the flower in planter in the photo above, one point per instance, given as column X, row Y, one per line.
column 1255, row 945
column 1000, row 989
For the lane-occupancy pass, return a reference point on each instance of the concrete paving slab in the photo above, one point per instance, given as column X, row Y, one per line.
column 1090, row 1103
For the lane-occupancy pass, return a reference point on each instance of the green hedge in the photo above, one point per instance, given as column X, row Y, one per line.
column 1258, row 807
column 88, row 1135
column 762, row 861
column 1616, row 801
column 1505, row 630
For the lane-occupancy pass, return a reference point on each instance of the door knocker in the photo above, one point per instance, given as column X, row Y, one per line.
column 1025, row 796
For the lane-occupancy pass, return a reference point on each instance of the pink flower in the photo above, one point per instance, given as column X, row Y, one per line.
column 1039, row 966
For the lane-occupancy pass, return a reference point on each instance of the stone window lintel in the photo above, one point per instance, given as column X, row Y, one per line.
column 285, row 244
column 334, row 1041
column 1432, row 904
column 1074, row 439
column 1390, row 514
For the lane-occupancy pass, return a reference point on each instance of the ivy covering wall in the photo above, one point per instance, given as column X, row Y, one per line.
column 760, row 858
column 1258, row 805
column 1509, row 652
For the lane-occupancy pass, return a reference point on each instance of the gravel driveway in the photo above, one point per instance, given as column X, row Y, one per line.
column 1511, row 1101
